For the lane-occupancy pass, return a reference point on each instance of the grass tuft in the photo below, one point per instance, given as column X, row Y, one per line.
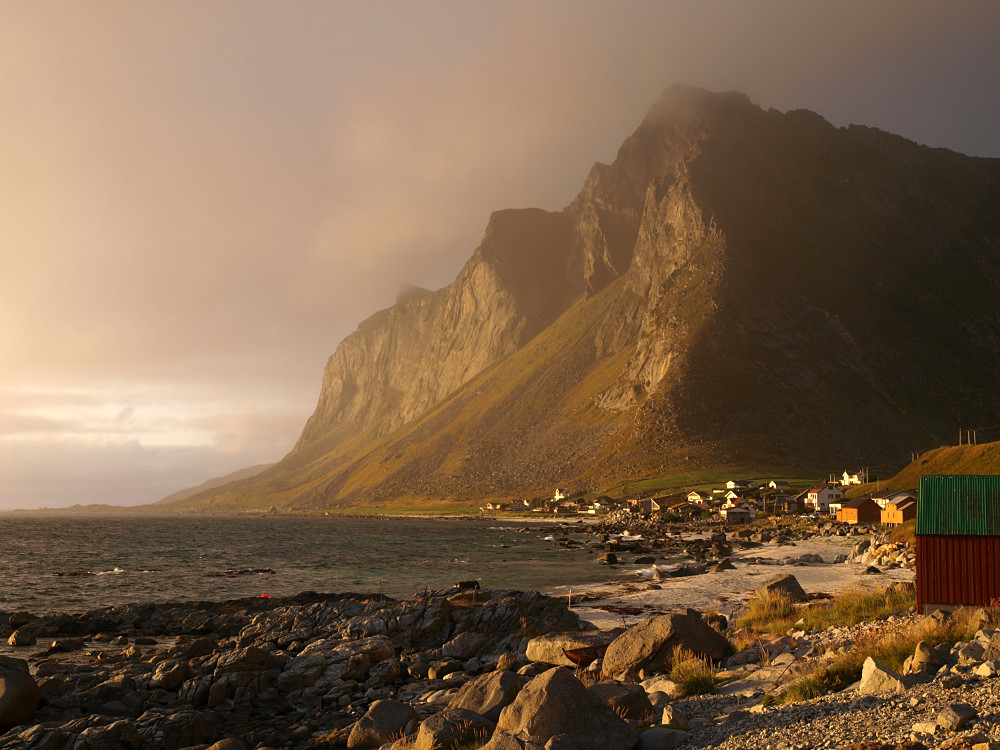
column 694, row 675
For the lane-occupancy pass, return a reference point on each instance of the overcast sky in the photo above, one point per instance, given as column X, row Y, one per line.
column 198, row 200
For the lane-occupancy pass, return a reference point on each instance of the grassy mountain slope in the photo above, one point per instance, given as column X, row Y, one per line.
column 948, row 459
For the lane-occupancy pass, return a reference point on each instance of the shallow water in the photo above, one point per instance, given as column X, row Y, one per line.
column 72, row 564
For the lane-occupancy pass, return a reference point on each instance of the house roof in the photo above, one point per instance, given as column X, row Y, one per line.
column 857, row 502
column 959, row 505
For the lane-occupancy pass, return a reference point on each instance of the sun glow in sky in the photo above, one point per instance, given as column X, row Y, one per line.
column 199, row 200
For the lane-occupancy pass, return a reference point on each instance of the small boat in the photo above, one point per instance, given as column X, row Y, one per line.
column 584, row 655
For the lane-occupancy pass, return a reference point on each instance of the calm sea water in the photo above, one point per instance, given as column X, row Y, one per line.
column 72, row 564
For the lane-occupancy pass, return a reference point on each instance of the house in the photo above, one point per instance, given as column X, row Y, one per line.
column 848, row 479
column 600, row 506
column 737, row 514
column 859, row 510
column 834, row 508
column 958, row 542
column 778, row 484
column 742, row 484
column 644, row 506
column 558, row 495
column 890, row 496
column 698, row 498
column 733, row 496
column 899, row 511
column 732, row 502
column 819, row 498
column 675, row 505
column 787, row 504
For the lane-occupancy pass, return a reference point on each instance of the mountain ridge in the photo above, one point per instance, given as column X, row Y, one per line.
column 739, row 285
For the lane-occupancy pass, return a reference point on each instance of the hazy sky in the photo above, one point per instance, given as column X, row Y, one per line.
column 198, row 200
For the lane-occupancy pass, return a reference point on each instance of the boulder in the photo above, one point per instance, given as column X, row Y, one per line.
column 992, row 650
column 556, row 708
column 784, row 585
column 549, row 648
column 441, row 669
column 673, row 716
column 723, row 564
column 878, row 678
column 19, row 694
column 954, row 717
column 661, row 738
column 381, row 721
column 230, row 743
column 627, row 700
column 463, row 646
column 505, row 741
column 649, row 645
column 451, row 728
column 987, row 669
column 488, row 694
column 22, row 637
column 170, row 675
column 926, row 660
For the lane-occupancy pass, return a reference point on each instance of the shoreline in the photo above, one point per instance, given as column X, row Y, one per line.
column 610, row 604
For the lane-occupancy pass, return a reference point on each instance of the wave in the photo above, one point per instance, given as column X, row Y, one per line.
column 79, row 573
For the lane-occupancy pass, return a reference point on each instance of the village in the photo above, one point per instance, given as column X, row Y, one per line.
column 738, row 501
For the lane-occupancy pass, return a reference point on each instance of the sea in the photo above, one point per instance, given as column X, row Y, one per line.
column 67, row 563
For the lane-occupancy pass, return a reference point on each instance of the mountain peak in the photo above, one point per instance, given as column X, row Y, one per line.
column 739, row 288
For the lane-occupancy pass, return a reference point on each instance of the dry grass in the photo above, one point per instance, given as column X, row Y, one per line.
column 777, row 613
column 505, row 663
column 694, row 675
column 891, row 649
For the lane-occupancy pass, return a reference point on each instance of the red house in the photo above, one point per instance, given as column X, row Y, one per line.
column 958, row 542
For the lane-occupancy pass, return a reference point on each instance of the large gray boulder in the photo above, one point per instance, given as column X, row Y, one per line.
column 877, row 678
column 19, row 693
column 505, row 741
column 549, row 648
column 627, row 700
column 925, row 660
column 488, row 694
column 557, row 711
column 464, row 645
column 650, row 644
column 451, row 728
column 381, row 722
column 784, row 585
column 661, row 738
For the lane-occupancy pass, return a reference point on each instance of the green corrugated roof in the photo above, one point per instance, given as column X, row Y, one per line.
column 954, row 505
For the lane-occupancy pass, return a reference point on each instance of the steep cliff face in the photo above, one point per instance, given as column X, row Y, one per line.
column 739, row 288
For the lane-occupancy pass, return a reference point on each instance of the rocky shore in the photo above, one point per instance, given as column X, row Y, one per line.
column 473, row 668
column 465, row 667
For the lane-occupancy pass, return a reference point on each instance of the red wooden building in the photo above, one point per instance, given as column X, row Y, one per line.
column 958, row 542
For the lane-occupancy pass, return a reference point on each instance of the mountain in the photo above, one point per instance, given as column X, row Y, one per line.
column 739, row 288
column 211, row 484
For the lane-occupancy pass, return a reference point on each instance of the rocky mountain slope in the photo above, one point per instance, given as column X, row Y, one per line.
column 740, row 287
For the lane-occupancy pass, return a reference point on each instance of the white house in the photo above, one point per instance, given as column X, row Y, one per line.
column 778, row 484
column 698, row 498
column 849, row 479
column 559, row 495
column 821, row 497
column 742, row 484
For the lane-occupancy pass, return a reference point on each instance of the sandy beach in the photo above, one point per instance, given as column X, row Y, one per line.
column 631, row 600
